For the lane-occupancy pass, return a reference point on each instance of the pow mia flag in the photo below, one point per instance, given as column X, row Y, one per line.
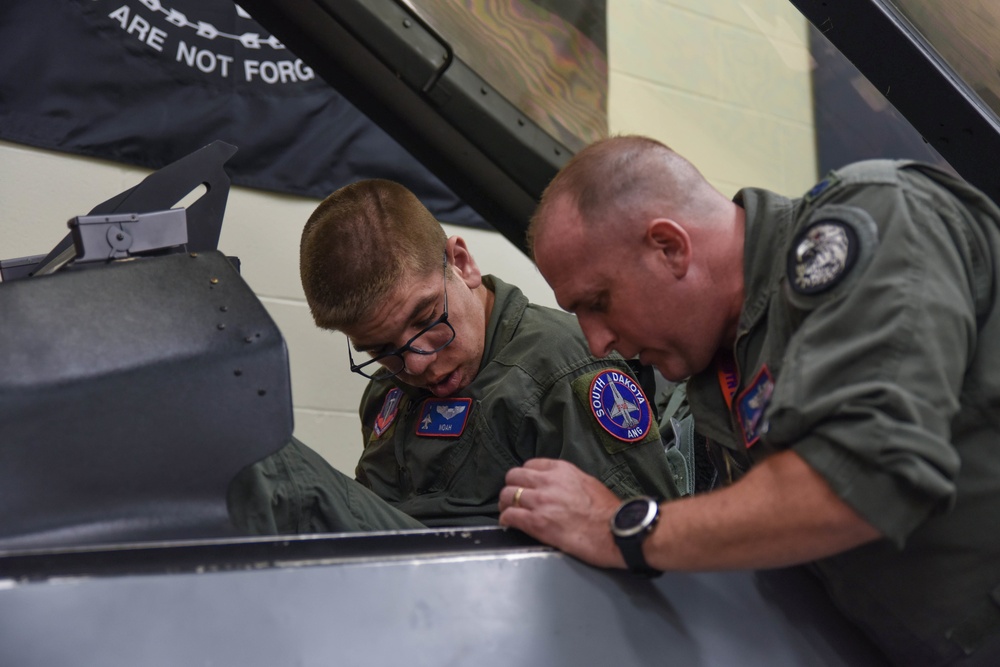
column 145, row 82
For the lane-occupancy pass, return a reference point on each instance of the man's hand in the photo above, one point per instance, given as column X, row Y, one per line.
column 782, row 513
column 560, row 505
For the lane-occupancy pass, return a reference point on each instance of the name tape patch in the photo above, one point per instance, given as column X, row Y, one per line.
column 620, row 406
column 443, row 417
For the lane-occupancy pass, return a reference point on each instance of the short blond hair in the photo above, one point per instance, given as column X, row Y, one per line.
column 358, row 245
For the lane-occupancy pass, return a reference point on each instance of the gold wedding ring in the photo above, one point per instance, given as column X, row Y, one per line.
column 517, row 496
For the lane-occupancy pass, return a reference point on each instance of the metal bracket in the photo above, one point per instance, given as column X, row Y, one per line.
column 100, row 238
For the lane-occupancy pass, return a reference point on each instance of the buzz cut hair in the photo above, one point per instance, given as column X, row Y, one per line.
column 359, row 245
column 618, row 180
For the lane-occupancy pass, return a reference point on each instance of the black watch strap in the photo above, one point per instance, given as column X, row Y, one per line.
column 631, row 548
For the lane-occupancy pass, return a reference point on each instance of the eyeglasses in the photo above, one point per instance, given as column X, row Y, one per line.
column 433, row 338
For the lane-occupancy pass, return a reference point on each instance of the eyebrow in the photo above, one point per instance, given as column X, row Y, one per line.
column 418, row 308
column 593, row 297
column 575, row 304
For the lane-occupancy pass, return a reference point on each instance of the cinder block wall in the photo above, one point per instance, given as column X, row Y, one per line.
column 724, row 82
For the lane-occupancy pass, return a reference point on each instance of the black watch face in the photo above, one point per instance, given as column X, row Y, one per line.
column 633, row 515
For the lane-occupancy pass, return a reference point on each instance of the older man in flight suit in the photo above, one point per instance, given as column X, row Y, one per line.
column 843, row 351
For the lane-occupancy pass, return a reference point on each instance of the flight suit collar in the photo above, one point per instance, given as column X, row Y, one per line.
column 508, row 307
column 769, row 218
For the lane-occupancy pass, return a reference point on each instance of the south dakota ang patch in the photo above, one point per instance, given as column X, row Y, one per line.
column 618, row 406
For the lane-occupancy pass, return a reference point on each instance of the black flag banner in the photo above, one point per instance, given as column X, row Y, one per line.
column 145, row 82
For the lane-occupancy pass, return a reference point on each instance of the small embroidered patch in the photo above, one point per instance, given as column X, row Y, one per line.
column 390, row 408
column 822, row 186
column 619, row 405
column 444, row 417
column 750, row 406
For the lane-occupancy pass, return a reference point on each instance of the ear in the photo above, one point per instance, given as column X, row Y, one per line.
column 462, row 263
column 672, row 243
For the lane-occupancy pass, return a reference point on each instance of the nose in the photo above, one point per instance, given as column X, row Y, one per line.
column 600, row 338
column 415, row 364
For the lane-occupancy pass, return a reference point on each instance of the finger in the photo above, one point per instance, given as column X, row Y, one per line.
column 521, row 474
column 543, row 464
column 531, row 523
column 516, row 477
column 512, row 496
column 506, row 498
column 518, row 492
column 519, row 518
column 528, row 477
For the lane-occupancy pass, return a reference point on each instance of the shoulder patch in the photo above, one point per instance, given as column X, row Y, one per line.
column 619, row 405
column 750, row 406
column 821, row 255
column 828, row 254
column 387, row 415
column 443, row 417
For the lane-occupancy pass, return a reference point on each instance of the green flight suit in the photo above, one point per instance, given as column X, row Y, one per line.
column 869, row 344
column 296, row 491
column 531, row 398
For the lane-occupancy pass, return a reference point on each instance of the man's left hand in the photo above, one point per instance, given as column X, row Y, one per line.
column 560, row 505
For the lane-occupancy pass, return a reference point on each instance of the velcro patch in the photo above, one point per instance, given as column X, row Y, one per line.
column 750, row 406
column 443, row 417
column 390, row 408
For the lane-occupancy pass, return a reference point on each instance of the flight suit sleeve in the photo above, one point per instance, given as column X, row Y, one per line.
column 295, row 491
column 871, row 379
column 629, row 460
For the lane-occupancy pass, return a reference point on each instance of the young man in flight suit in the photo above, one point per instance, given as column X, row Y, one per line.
column 843, row 351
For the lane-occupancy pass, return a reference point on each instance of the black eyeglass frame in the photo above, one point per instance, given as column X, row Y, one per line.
column 384, row 373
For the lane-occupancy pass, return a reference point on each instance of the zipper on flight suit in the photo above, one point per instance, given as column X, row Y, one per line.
column 727, row 455
column 402, row 473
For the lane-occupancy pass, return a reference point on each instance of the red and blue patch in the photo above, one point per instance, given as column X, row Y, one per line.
column 443, row 417
column 750, row 406
column 390, row 408
column 620, row 406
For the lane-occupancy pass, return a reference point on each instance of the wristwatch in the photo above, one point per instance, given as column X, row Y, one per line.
column 630, row 526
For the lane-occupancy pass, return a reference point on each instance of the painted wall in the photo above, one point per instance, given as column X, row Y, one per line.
column 725, row 83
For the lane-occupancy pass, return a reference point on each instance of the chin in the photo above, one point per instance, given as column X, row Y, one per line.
column 671, row 375
column 671, row 371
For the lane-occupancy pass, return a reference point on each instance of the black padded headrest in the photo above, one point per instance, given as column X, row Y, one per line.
column 130, row 395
